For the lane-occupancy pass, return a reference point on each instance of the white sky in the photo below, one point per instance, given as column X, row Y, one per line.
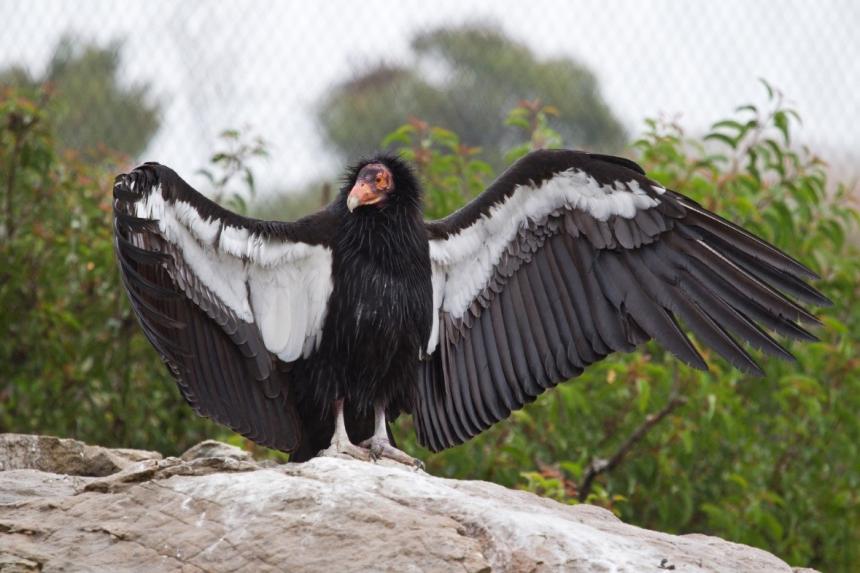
column 265, row 64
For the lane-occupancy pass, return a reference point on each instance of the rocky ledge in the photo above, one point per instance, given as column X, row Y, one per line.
column 67, row 506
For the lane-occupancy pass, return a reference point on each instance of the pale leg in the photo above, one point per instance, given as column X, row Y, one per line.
column 380, row 447
column 340, row 444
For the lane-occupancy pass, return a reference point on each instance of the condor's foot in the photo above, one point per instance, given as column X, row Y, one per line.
column 340, row 445
column 341, row 448
column 380, row 448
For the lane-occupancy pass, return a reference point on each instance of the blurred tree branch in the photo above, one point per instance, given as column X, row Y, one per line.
column 602, row 465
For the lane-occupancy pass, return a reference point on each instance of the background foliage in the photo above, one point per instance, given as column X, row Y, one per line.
column 467, row 79
column 91, row 109
column 767, row 461
column 72, row 359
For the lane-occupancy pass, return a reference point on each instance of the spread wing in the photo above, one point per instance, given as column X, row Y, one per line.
column 569, row 257
column 228, row 301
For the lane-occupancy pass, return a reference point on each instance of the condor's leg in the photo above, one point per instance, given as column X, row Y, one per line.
column 340, row 444
column 380, row 447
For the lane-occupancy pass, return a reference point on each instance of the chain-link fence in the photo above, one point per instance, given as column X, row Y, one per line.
column 272, row 68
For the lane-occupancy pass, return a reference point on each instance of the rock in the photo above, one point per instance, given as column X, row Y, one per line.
column 64, row 456
column 224, row 512
column 215, row 449
column 12, row 564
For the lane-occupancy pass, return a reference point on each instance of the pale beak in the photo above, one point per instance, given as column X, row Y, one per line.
column 362, row 194
column 352, row 203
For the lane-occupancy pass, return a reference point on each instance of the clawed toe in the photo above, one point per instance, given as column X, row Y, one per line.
column 379, row 449
column 337, row 450
column 375, row 448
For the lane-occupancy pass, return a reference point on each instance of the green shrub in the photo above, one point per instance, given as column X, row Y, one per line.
column 73, row 361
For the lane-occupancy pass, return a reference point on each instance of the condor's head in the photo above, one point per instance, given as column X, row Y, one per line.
column 380, row 184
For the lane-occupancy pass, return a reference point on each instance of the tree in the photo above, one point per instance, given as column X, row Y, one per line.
column 73, row 361
column 92, row 108
column 485, row 74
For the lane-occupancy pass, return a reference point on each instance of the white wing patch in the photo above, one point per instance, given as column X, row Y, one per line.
column 281, row 286
column 463, row 263
column 437, row 278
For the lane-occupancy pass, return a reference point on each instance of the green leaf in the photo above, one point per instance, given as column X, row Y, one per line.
column 712, row 406
column 207, row 174
column 729, row 123
column 445, row 137
column 833, row 231
column 643, row 387
column 517, row 152
column 776, row 150
column 747, row 107
column 249, row 179
column 731, row 142
column 780, row 120
column 738, row 480
column 771, row 525
column 574, row 469
column 768, row 87
column 752, row 164
column 517, row 121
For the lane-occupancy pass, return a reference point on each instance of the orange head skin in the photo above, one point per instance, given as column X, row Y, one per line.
column 372, row 186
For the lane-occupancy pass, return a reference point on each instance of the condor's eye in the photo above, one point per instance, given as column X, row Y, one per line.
column 383, row 181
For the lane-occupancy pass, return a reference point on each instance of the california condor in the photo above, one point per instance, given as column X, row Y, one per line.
column 316, row 333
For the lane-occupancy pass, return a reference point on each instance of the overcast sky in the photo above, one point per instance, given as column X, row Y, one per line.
column 265, row 64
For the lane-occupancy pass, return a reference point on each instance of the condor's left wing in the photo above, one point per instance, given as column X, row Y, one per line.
column 571, row 256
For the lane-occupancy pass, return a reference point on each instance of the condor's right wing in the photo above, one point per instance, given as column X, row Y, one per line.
column 228, row 301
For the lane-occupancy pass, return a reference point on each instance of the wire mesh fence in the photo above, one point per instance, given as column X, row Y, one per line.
column 186, row 71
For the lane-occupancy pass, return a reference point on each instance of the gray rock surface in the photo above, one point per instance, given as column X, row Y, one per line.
column 59, row 455
column 217, row 510
column 215, row 449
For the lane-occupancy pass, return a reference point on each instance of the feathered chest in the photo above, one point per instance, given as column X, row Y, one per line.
column 382, row 295
column 376, row 301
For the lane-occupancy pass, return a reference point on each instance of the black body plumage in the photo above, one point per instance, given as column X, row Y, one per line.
column 379, row 314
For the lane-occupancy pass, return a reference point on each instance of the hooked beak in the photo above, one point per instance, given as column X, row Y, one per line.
column 362, row 193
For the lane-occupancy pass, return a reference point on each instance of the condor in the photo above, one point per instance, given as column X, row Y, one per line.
column 311, row 336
